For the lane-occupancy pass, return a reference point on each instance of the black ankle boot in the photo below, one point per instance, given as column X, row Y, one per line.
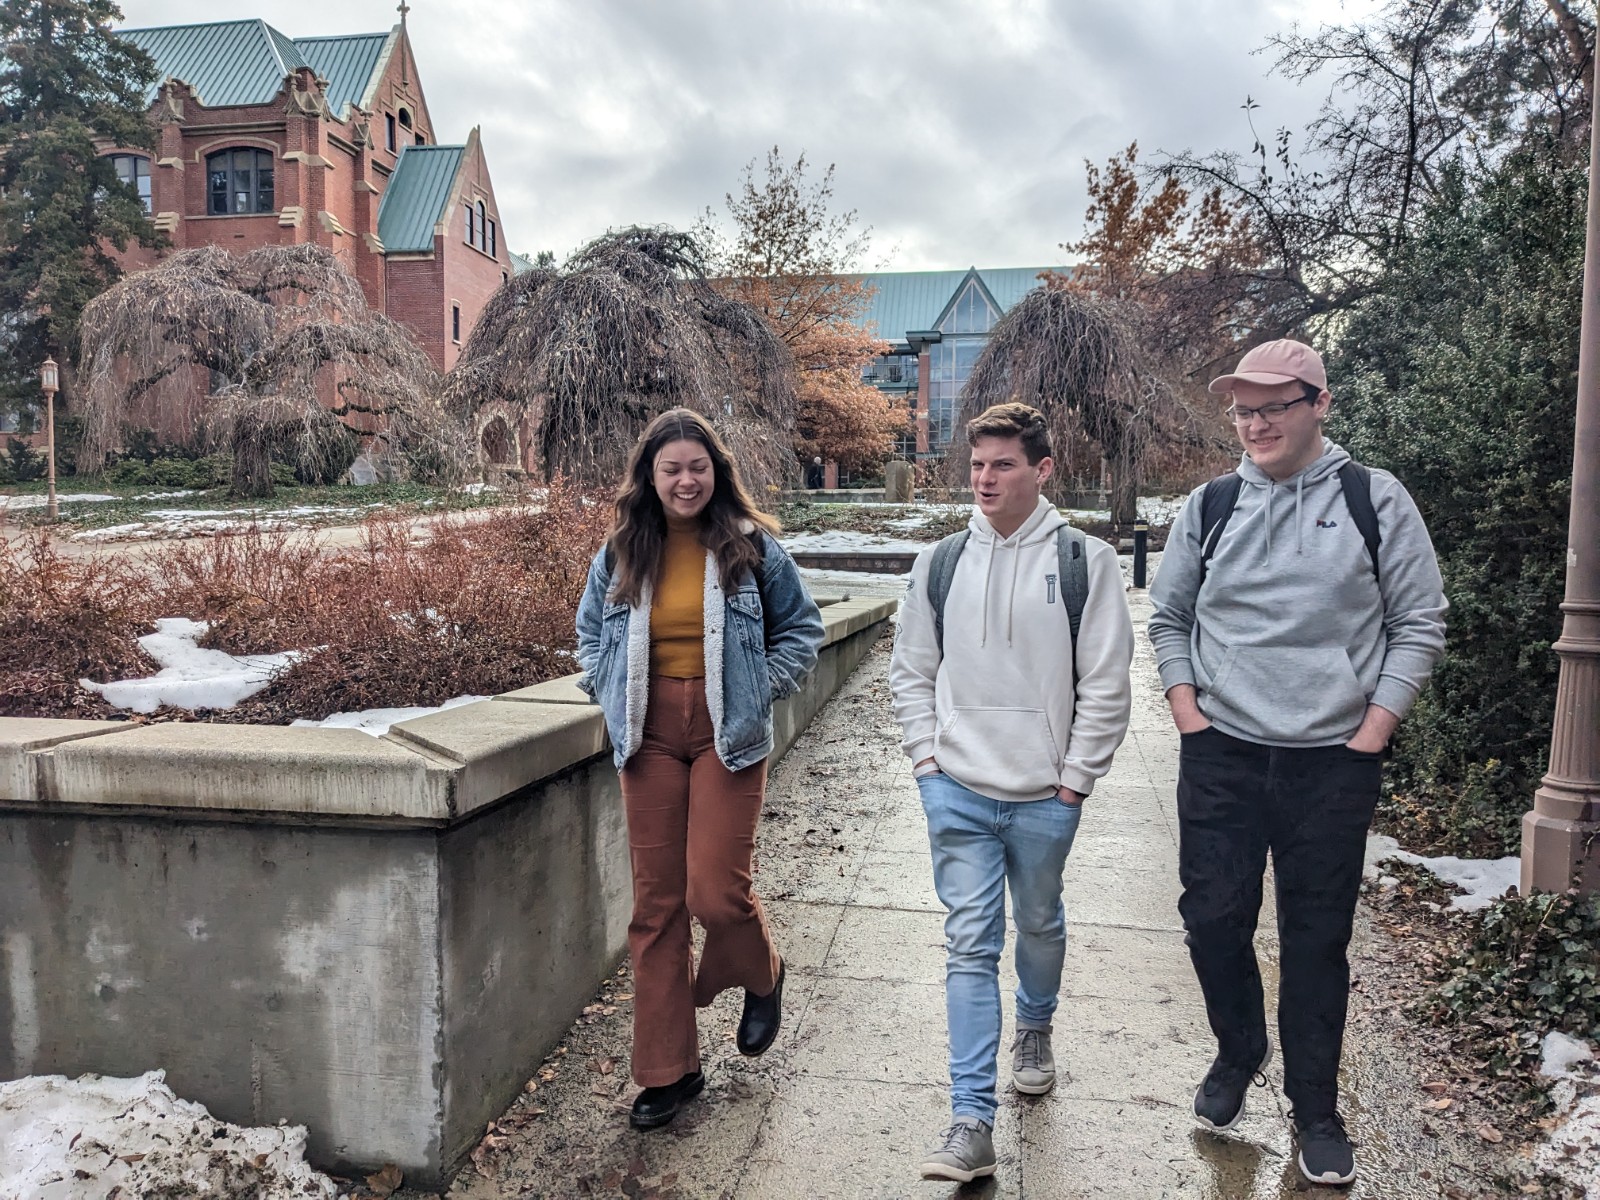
column 656, row 1106
column 762, row 1016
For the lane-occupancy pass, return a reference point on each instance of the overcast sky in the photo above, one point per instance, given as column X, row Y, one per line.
column 959, row 129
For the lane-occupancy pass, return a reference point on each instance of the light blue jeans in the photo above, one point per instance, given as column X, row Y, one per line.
column 979, row 846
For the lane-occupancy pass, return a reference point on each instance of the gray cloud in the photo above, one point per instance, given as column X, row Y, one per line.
column 959, row 129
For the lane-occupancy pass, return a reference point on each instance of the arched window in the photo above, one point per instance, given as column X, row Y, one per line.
column 405, row 118
column 239, row 181
column 481, row 226
column 472, row 225
column 134, row 170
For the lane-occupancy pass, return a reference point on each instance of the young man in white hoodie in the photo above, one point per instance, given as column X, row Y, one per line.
column 1008, row 724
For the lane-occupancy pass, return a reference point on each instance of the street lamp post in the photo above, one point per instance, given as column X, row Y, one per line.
column 50, row 382
column 1561, row 835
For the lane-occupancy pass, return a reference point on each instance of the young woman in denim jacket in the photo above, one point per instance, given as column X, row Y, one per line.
column 693, row 622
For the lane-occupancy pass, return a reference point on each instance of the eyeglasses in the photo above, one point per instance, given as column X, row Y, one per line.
column 1267, row 412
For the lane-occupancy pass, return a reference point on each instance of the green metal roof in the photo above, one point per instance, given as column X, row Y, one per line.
column 244, row 62
column 347, row 63
column 907, row 300
column 226, row 62
column 415, row 198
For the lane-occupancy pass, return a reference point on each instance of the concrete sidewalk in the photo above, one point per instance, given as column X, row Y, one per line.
column 856, row 1087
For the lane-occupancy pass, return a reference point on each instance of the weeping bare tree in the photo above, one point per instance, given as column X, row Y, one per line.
column 586, row 355
column 1077, row 358
column 270, row 354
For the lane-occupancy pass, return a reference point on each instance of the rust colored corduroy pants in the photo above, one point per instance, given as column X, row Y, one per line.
column 691, row 836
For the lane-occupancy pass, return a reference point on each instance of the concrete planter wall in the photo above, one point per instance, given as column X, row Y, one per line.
column 378, row 938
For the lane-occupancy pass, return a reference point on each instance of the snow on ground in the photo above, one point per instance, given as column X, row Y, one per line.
column 19, row 503
column 376, row 721
column 1484, row 880
column 1561, row 1053
column 191, row 677
column 93, row 1137
column 207, row 522
column 848, row 541
column 1571, row 1150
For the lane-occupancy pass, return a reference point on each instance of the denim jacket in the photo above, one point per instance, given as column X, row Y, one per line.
column 760, row 643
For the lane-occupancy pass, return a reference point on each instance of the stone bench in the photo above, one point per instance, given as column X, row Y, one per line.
column 377, row 938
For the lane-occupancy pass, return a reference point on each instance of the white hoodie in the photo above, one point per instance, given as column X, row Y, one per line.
column 998, row 713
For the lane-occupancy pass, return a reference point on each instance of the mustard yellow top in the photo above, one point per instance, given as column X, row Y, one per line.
column 677, row 609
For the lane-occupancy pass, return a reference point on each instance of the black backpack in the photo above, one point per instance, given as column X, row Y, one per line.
column 1222, row 493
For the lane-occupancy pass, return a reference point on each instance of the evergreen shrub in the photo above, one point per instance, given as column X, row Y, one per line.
column 1460, row 375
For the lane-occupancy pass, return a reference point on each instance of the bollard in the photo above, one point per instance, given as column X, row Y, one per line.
column 1141, row 534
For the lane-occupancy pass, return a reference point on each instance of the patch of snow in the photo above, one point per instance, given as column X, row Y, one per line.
column 477, row 489
column 40, row 501
column 191, row 677
column 1561, row 1053
column 1484, row 880
column 114, row 533
column 376, row 721
column 848, row 541
column 166, row 495
column 1571, row 1150
column 87, row 1138
column 1160, row 510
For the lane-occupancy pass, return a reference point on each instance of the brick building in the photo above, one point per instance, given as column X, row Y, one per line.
column 268, row 140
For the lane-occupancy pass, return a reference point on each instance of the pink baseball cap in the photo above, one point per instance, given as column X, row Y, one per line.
column 1281, row 361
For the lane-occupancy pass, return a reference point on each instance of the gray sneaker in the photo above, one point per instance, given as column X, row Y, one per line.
column 1033, row 1066
column 965, row 1151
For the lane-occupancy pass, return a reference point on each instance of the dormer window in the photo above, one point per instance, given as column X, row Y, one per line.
column 239, row 181
column 134, row 170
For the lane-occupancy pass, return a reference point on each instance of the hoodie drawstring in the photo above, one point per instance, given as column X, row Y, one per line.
column 1299, row 528
column 983, row 620
column 1011, row 601
column 1271, row 487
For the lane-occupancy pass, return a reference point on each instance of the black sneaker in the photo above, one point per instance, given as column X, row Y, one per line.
column 1326, row 1155
column 1219, row 1100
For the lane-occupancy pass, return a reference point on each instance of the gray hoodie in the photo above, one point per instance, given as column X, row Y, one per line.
column 1291, row 637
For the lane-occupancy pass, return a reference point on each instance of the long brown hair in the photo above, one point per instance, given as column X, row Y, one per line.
column 640, row 531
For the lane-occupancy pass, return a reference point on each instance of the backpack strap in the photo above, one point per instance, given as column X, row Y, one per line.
column 1072, row 555
column 1356, row 480
column 1216, row 506
column 1072, row 552
column 940, row 573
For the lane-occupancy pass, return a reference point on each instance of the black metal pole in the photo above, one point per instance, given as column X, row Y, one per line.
column 1141, row 535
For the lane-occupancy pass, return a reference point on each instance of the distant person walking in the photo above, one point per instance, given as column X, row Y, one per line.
column 1010, row 681
column 1298, row 612
column 693, row 621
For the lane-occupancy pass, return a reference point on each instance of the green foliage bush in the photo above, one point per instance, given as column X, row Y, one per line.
column 1532, row 966
column 22, row 463
column 1460, row 376
column 173, row 471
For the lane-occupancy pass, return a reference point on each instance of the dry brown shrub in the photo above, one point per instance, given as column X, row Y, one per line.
column 63, row 619
column 481, row 606
column 410, row 617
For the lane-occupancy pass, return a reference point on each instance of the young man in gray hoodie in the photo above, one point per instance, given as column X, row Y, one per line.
column 1008, row 723
column 1292, row 633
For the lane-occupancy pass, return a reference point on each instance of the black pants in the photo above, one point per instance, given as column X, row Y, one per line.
column 1311, row 808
